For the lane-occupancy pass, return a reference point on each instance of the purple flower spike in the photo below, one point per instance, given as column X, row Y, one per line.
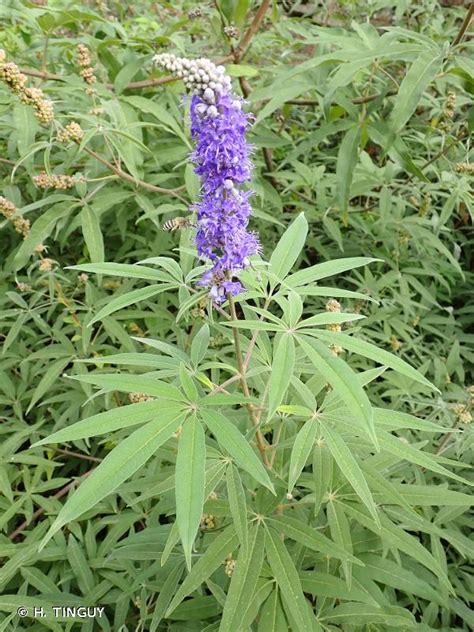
column 222, row 156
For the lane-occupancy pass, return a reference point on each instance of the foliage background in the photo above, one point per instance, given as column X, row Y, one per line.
column 356, row 127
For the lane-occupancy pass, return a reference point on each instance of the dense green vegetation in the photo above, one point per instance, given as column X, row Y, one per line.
column 323, row 463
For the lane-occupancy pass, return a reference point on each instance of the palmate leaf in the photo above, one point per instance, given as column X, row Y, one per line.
column 190, row 482
column 237, row 446
column 341, row 533
column 118, row 465
column 343, row 380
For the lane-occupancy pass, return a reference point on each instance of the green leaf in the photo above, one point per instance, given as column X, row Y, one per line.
column 111, row 420
column 118, row 465
column 221, row 546
column 326, row 269
column 92, row 234
column 132, row 384
column 237, row 446
column 167, row 591
column 341, row 534
column 289, row 247
column 359, row 615
column 326, row 585
column 123, row 270
column 343, row 380
column 302, row 447
column 350, row 468
column 244, row 580
column 371, row 351
column 272, row 617
column 41, row 229
column 310, row 537
column 238, row 505
column 346, row 162
column 416, row 81
column 281, row 371
column 287, row 579
column 404, row 451
column 54, row 371
column 190, row 482
column 393, row 574
column 328, row 318
column 199, row 345
column 129, row 298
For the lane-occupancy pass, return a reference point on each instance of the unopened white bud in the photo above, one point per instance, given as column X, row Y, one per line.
column 228, row 184
column 212, row 111
column 209, row 95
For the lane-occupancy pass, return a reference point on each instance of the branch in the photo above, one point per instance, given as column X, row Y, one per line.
column 129, row 178
column 39, row 512
column 246, row 40
column 465, row 25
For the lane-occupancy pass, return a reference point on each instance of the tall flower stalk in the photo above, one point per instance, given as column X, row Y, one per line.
column 222, row 158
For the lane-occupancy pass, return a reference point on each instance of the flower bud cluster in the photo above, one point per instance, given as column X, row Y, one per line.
column 72, row 132
column 462, row 413
column 9, row 211
column 208, row 521
column 56, row 181
column 334, row 307
column 46, row 265
column 85, row 62
column 231, row 31
column 464, row 167
column 229, row 565
column 16, row 81
column 450, row 105
column 137, row 398
column 7, row 208
column 194, row 14
column 200, row 76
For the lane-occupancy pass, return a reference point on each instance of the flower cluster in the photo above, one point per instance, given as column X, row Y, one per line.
column 222, row 156
column 462, row 413
column 231, row 31
column 55, row 181
column 9, row 211
column 16, row 81
column 72, row 132
column 334, row 307
column 87, row 72
column 465, row 167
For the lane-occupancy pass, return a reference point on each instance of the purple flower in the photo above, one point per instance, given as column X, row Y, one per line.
column 222, row 156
